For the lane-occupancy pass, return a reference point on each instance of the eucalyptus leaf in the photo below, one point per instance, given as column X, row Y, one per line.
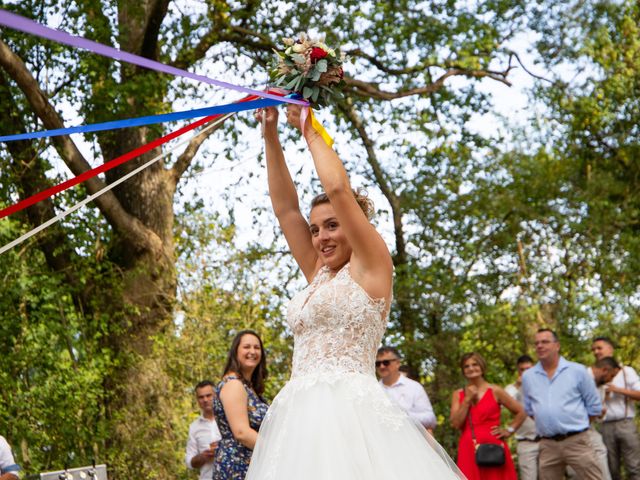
column 298, row 58
column 292, row 85
column 322, row 65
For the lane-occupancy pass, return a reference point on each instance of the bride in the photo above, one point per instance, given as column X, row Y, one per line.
column 332, row 420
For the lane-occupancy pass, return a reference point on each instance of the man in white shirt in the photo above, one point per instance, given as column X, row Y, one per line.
column 408, row 394
column 203, row 433
column 9, row 470
column 622, row 389
column 528, row 441
column 601, row 347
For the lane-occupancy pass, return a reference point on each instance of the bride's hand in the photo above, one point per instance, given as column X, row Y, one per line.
column 293, row 115
column 294, row 112
column 267, row 117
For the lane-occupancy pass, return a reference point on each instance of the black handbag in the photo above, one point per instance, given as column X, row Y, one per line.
column 487, row 454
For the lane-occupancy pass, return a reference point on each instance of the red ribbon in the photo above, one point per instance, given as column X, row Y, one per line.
column 49, row 192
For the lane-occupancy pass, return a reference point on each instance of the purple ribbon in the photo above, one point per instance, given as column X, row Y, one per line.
column 23, row 24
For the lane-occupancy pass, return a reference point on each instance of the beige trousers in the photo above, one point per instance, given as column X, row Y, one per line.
column 621, row 439
column 599, row 451
column 575, row 451
column 528, row 460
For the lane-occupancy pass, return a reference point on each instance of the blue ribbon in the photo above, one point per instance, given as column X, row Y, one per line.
column 148, row 120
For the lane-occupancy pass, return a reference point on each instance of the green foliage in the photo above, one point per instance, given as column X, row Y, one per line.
column 52, row 369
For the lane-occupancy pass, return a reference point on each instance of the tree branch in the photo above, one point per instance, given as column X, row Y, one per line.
column 140, row 236
column 188, row 57
column 184, row 160
column 357, row 52
column 381, row 179
column 157, row 12
column 233, row 34
column 242, row 37
column 28, row 173
column 517, row 57
column 372, row 90
column 64, row 84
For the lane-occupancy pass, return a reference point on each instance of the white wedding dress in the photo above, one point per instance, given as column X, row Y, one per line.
column 332, row 420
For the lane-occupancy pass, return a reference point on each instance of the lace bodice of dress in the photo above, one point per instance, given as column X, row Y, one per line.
column 337, row 327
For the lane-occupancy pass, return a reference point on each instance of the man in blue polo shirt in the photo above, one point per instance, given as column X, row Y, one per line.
column 562, row 399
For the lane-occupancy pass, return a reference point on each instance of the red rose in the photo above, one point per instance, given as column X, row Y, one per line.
column 317, row 53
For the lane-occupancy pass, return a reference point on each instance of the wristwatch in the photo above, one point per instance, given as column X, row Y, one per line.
column 510, row 429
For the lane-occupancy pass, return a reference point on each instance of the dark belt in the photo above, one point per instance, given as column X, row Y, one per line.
column 618, row 420
column 537, row 439
column 563, row 436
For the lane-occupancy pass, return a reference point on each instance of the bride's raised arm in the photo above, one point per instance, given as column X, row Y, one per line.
column 371, row 265
column 284, row 198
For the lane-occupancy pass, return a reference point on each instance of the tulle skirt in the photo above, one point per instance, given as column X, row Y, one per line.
column 343, row 427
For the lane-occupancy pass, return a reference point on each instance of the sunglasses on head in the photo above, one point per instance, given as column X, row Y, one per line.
column 386, row 363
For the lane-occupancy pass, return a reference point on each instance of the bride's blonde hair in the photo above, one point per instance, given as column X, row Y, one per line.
column 365, row 203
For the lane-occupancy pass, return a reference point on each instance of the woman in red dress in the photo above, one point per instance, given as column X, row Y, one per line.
column 480, row 403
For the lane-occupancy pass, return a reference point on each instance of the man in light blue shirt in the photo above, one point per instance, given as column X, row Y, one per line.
column 562, row 398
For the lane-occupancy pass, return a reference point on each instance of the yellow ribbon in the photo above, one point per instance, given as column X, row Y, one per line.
column 317, row 126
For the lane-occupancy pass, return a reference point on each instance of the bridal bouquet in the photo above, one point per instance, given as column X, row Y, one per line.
column 309, row 67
